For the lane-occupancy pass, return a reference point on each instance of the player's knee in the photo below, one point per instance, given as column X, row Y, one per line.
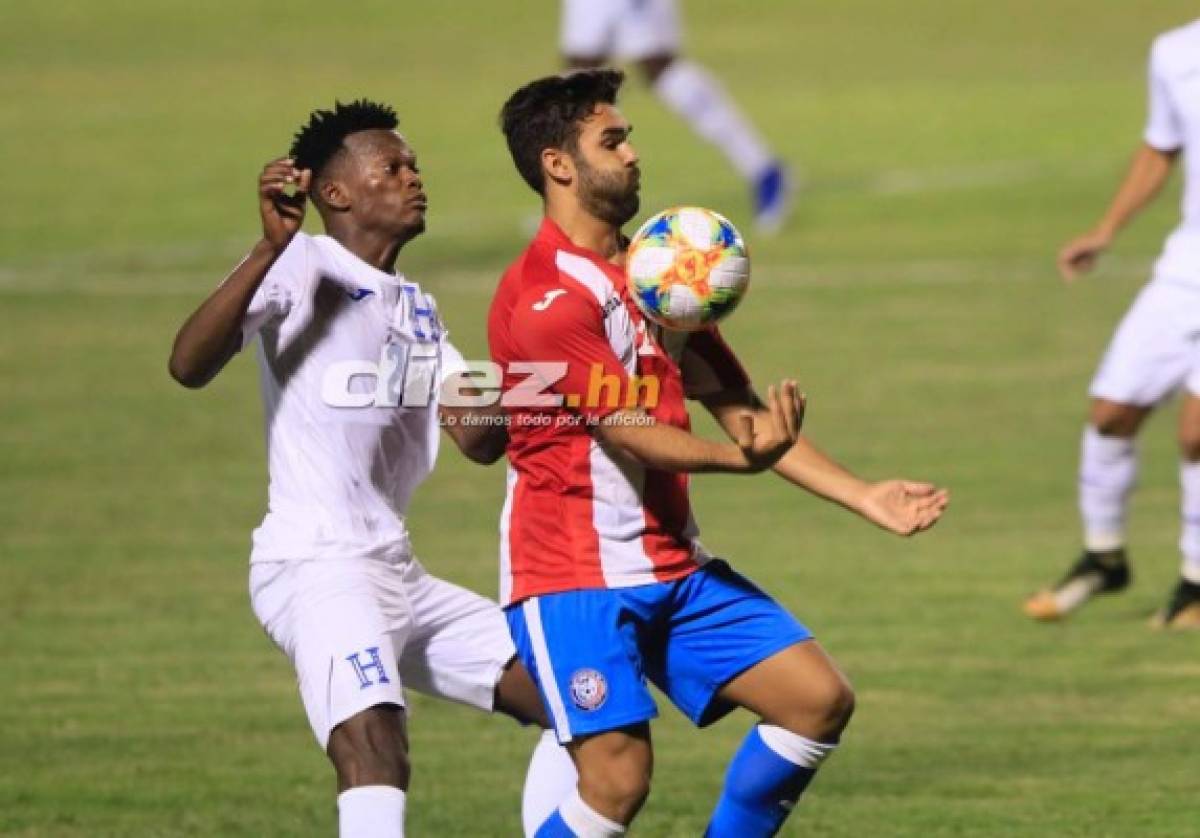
column 619, row 793
column 620, row 783
column 1112, row 419
column 824, row 711
column 1189, row 444
column 655, row 66
column 371, row 748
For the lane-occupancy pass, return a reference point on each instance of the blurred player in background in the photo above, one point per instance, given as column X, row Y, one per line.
column 351, row 355
column 1155, row 351
column 604, row 581
column 649, row 33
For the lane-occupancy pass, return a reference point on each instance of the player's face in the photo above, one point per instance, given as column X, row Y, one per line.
column 384, row 184
column 607, row 167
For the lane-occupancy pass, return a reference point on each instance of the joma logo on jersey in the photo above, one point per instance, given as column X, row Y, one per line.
column 405, row 376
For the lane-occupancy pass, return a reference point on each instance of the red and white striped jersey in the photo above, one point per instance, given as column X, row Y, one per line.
column 576, row 515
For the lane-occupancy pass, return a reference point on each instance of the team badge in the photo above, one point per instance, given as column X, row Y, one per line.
column 588, row 689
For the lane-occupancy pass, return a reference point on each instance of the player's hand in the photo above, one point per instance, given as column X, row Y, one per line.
column 282, row 212
column 903, row 507
column 766, row 436
column 1080, row 255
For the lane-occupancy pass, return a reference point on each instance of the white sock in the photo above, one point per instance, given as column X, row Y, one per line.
column 796, row 749
column 585, row 821
column 692, row 92
column 1189, row 539
column 371, row 812
column 549, row 780
column 1107, row 474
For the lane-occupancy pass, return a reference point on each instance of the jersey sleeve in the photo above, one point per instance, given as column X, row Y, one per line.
column 280, row 288
column 565, row 328
column 1164, row 128
column 709, row 366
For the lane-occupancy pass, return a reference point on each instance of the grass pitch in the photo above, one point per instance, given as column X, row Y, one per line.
column 946, row 150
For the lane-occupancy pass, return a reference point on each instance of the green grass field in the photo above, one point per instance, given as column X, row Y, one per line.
column 947, row 149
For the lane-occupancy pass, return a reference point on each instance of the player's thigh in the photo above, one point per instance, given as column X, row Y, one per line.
column 799, row 688
column 327, row 617
column 649, row 29
column 587, row 29
column 721, row 625
column 1151, row 352
column 460, row 645
column 582, row 649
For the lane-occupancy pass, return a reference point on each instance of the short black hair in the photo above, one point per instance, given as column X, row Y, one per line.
column 546, row 113
column 321, row 137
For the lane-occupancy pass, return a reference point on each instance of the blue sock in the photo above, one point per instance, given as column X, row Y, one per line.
column 554, row 827
column 762, row 785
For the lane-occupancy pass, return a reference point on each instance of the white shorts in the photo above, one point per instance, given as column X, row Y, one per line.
column 1156, row 348
column 359, row 631
column 630, row 29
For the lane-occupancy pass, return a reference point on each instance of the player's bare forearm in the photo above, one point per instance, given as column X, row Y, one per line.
column 667, row 448
column 213, row 333
column 759, row 438
column 478, row 432
column 1148, row 172
column 804, row 464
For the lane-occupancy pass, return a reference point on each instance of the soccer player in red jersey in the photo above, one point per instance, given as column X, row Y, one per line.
column 603, row 579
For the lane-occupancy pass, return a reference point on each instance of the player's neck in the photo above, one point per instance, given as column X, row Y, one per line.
column 378, row 252
column 585, row 230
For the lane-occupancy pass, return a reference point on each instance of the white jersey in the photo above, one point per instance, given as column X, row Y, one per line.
column 1174, row 123
column 345, row 448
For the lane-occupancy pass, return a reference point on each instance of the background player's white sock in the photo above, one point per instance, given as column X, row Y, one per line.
column 1189, row 539
column 549, row 780
column 692, row 92
column 371, row 812
column 1107, row 474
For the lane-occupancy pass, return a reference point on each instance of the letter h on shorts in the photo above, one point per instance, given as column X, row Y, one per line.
column 363, row 670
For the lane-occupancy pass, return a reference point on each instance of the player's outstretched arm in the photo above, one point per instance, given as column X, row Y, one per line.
column 903, row 507
column 1147, row 173
column 213, row 333
column 759, row 438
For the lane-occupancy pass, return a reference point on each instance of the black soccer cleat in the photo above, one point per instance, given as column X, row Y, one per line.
column 1183, row 608
column 1093, row 573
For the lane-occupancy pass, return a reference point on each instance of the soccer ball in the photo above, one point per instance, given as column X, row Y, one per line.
column 688, row 267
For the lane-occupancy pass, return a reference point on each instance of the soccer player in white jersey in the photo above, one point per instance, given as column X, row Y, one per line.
column 1155, row 351
column 648, row 32
column 350, row 435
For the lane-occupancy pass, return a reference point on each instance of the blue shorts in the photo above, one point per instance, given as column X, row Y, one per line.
column 591, row 651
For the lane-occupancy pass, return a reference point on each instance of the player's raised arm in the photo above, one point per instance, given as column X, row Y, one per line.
column 213, row 333
column 904, row 507
column 1147, row 173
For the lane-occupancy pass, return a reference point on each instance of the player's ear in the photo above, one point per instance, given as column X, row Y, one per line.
column 558, row 166
column 334, row 195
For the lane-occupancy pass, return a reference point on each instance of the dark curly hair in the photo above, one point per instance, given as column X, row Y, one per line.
column 547, row 113
column 316, row 143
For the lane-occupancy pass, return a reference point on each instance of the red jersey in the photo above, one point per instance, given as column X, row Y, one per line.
column 573, row 349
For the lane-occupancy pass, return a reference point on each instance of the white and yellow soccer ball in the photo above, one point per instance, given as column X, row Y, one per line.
column 688, row 267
